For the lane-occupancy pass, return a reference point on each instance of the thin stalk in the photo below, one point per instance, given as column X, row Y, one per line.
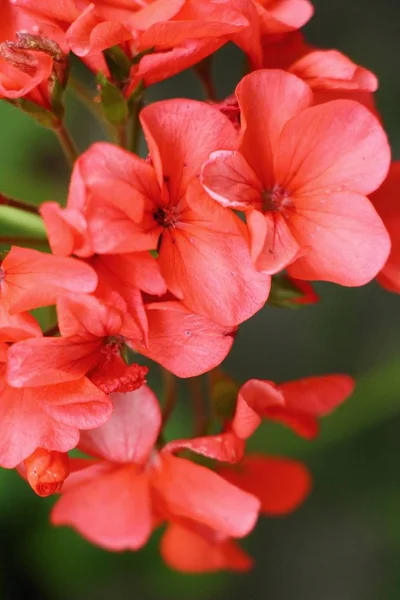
column 170, row 395
column 134, row 134
column 67, row 143
column 85, row 98
column 16, row 240
column 199, row 409
column 52, row 331
column 7, row 201
column 121, row 135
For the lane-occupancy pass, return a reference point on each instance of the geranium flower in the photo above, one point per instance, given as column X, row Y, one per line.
column 116, row 500
column 386, row 202
column 301, row 175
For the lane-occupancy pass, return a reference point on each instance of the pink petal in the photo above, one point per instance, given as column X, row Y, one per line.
column 129, row 436
column 113, row 510
column 335, row 147
column 34, row 279
column 181, row 134
column 187, row 550
column 183, row 342
column 343, row 238
column 228, row 179
column 194, row 492
column 275, row 97
column 279, row 483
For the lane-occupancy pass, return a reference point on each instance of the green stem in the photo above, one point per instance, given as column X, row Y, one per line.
column 52, row 331
column 121, row 135
column 199, row 409
column 67, row 143
column 170, row 395
column 15, row 240
column 134, row 137
column 7, row 201
column 84, row 96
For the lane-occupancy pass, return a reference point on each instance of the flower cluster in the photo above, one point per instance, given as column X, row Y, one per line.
column 238, row 202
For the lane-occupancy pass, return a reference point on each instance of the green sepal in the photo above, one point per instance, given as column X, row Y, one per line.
column 41, row 115
column 118, row 63
column 113, row 103
column 284, row 293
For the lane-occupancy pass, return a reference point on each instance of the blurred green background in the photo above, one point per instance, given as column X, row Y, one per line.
column 344, row 542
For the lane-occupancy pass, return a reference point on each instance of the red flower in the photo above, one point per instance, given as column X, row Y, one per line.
column 279, row 483
column 297, row 404
column 29, row 279
column 193, row 549
column 116, row 500
column 46, row 471
column 329, row 73
column 268, row 19
column 182, row 342
column 48, row 417
column 25, row 74
column 301, row 175
column 386, row 202
column 90, row 344
column 145, row 207
column 14, row 328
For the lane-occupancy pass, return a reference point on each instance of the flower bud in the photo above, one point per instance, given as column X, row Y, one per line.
column 46, row 471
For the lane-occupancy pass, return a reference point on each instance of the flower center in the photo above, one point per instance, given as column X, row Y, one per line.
column 166, row 216
column 274, row 199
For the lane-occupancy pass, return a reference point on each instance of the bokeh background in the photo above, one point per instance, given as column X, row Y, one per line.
column 344, row 542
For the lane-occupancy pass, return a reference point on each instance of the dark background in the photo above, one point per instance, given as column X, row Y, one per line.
column 344, row 542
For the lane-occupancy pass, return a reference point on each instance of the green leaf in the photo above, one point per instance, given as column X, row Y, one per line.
column 113, row 103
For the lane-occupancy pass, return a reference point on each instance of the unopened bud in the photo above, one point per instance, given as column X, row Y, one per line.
column 46, row 471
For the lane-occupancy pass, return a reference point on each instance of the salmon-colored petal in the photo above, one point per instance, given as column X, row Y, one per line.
column 188, row 551
column 342, row 237
column 335, row 147
column 275, row 97
column 14, row 328
column 47, row 417
column 181, row 134
column 194, row 492
column 113, row 510
column 280, row 484
column 131, row 432
column 183, row 342
column 32, row 279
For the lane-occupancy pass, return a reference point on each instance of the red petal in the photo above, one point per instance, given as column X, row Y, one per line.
column 230, row 291
column 112, row 510
column 51, row 360
column 162, row 65
column 275, row 97
column 279, row 483
column 14, row 328
column 66, row 229
column 332, row 70
column 335, row 147
column 48, row 417
column 17, row 82
column 273, row 244
column 114, row 375
column 88, row 34
column 228, row 179
column 284, row 15
column 317, row 396
column 226, row 447
column 185, row 343
column 385, row 200
column 130, row 434
column 87, row 317
column 188, row 551
column 254, row 399
column 35, row 279
column 343, row 238
column 191, row 491
column 181, row 134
